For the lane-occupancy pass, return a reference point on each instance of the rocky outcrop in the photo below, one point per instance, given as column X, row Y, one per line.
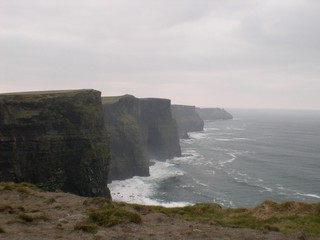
column 187, row 119
column 140, row 130
column 55, row 140
column 122, row 120
column 214, row 114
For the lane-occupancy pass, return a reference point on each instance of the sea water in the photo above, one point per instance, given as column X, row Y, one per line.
column 259, row 155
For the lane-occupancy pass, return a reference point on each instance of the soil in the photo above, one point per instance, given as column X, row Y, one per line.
column 55, row 214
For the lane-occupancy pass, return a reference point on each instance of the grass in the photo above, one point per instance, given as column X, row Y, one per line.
column 86, row 227
column 285, row 217
column 22, row 187
column 26, row 218
column 7, row 209
column 111, row 215
column 51, row 200
column 96, row 201
column 2, row 230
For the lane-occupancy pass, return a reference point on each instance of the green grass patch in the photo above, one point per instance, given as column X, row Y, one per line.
column 2, row 230
column 7, row 209
column 26, row 218
column 97, row 201
column 86, row 227
column 286, row 217
column 22, row 187
column 51, row 200
column 111, row 215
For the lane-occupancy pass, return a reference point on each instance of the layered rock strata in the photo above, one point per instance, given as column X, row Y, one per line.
column 56, row 140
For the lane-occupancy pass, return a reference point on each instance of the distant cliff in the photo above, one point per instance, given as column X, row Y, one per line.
column 56, row 140
column 159, row 129
column 140, row 130
column 214, row 114
column 187, row 118
column 122, row 120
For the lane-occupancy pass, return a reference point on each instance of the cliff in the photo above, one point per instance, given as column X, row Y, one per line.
column 187, row 119
column 122, row 120
column 159, row 129
column 214, row 114
column 140, row 130
column 55, row 140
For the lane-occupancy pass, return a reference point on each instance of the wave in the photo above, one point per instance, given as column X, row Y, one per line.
column 236, row 128
column 141, row 190
column 250, row 181
column 291, row 192
column 190, row 157
column 197, row 135
column 233, row 139
column 206, row 129
column 200, row 183
column 310, row 195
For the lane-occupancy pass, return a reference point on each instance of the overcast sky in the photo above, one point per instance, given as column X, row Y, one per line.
column 230, row 53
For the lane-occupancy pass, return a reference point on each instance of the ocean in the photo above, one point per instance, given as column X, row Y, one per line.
column 259, row 155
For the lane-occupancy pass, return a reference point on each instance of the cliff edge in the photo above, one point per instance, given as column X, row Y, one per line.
column 214, row 114
column 122, row 121
column 55, row 140
column 140, row 130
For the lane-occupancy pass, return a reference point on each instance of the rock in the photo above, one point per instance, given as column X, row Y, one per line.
column 185, row 136
column 140, row 130
column 159, row 129
column 122, row 120
column 187, row 119
column 214, row 114
column 55, row 140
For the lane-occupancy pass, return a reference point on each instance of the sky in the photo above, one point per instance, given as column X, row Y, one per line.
column 208, row 53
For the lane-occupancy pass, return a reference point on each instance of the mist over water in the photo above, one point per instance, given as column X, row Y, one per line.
column 257, row 156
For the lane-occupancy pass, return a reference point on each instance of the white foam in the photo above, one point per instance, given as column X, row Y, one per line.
column 223, row 162
column 197, row 135
column 232, row 139
column 190, row 157
column 200, row 183
column 309, row 195
column 211, row 129
column 141, row 190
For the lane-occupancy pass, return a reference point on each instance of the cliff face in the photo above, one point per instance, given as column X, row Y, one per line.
column 55, row 140
column 159, row 129
column 214, row 114
column 187, row 119
column 121, row 116
column 140, row 129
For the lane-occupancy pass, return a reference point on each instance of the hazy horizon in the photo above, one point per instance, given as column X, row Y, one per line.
column 232, row 54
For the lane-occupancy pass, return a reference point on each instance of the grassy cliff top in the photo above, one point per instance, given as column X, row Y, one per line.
column 114, row 99
column 47, row 93
column 27, row 212
column 51, row 92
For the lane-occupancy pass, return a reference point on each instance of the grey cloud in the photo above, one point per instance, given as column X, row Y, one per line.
column 229, row 53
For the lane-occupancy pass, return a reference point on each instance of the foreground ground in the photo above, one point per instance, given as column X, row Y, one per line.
column 29, row 213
